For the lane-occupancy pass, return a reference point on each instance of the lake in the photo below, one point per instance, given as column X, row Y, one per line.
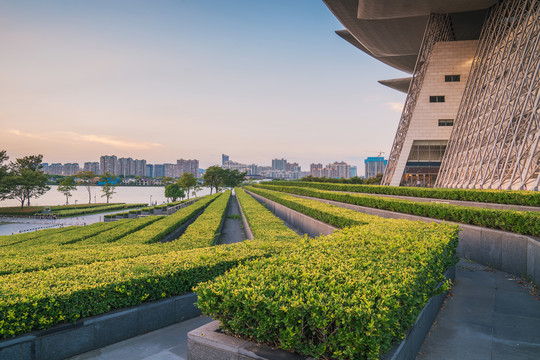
column 124, row 194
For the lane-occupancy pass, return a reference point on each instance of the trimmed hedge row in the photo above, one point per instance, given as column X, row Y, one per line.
column 96, row 209
column 163, row 227
column 203, row 231
column 263, row 224
column 510, row 197
column 521, row 222
column 348, row 295
column 330, row 214
column 41, row 299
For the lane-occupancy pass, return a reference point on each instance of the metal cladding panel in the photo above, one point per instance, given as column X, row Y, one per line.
column 495, row 140
column 401, row 84
column 389, row 9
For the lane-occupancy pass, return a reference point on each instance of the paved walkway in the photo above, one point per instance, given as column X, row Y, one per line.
column 232, row 231
column 488, row 315
column 169, row 343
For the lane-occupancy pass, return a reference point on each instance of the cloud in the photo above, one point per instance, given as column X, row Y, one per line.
column 395, row 106
column 71, row 137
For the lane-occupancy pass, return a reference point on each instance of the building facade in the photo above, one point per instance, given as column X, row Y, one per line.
column 92, row 166
column 108, row 164
column 471, row 117
column 375, row 165
column 188, row 166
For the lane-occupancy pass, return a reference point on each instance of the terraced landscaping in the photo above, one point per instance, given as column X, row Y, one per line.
column 347, row 295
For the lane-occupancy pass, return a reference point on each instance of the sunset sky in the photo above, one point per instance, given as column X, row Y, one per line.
column 168, row 79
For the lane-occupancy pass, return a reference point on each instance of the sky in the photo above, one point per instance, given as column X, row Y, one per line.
column 167, row 79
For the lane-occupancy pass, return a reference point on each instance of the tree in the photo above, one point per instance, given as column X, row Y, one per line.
column 187, row 182
column 233, row 178
column 213, row 177
column 109, row 182
column 4, row 188
column 86, row 179
column 26, row 180
column 174, row 191
column 66, row 186
column 167, row 180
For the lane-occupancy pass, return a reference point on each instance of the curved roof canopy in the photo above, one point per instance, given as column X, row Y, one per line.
column 392, row 30
column 388, row 9
column 401, row 84
column 401, row 62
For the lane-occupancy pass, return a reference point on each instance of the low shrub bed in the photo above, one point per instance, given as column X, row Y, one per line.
column 348, row 295
column 203, row 231
column 95, row 210
column 521, row 222
column 41, row 299
column 18, row 211
column 510, row 197
column 330, row 214
column 163, row 227
column 263, row 224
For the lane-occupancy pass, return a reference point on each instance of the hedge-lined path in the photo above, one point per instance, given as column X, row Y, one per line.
column 232, row 231
column 452, row 202
column 489, row 314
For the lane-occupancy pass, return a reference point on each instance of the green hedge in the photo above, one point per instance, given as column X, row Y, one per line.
column 205, row 229
column 41, row 299
column 158, row 230
column 510, row 197
column 330, row 214
column 521, row 222
column 263, row 224
column 95, row 209
column 348, row 295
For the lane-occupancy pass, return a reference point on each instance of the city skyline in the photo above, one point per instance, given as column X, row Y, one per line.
column 154, row 82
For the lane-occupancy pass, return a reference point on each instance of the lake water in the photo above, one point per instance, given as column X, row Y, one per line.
column 124, row 194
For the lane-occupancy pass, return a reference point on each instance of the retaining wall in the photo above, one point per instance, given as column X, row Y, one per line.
column 247, row 229
column 87, row 334
column 303, row 223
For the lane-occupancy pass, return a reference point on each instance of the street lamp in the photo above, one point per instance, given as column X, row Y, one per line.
column 95, row 201
column 75, row 204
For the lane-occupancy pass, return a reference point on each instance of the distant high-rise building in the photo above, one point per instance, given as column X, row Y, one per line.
column 354, row 171
column 108, row 164
column 159, row 170
column 171, row 170
column 92, row 166
column 224, row 158
column 45, row 168
column 188, row 166
column 339, row 170
column 375, row 165
column 279, row 164
column 55, row 169
column 294, row 167
column 70, row 169
column 149, row 170
column 139, row 168
column 315, row 170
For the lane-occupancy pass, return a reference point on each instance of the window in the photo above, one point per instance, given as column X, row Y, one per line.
column 451, row 78
column 446, row 122
column 436, row 99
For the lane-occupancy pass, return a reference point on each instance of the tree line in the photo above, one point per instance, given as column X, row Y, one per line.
column 215, row 178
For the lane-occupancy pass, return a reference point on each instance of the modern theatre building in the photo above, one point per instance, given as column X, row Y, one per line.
column 472, row 114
